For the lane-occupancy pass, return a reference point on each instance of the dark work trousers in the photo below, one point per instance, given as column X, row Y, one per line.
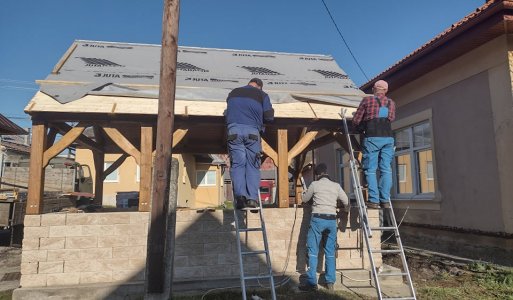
column 244, row 147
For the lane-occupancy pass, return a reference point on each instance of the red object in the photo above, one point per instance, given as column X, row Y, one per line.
column 266, row 191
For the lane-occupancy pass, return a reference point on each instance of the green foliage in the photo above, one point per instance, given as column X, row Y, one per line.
column 6, row 295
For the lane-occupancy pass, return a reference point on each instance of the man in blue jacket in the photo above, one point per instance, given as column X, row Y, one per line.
column 248, row 108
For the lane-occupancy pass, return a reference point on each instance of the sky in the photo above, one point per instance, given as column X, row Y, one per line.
column 34, row 34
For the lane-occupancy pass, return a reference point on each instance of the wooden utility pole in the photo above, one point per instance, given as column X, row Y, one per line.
column 161, row 174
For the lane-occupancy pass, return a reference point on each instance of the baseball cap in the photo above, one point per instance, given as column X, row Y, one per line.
column 258, row 81
column 381, row 84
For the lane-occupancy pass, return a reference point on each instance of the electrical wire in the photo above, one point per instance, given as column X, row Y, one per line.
column 344, row 40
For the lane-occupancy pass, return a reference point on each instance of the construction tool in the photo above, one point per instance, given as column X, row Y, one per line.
column 242, row 254
column 367, row 230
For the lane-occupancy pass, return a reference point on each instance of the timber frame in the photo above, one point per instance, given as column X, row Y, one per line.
column 286, row 142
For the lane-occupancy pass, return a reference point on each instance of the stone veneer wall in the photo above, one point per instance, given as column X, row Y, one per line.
column 71, row 249
column 82, row 248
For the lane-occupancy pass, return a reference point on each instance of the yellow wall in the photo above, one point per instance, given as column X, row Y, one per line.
column 189, row 194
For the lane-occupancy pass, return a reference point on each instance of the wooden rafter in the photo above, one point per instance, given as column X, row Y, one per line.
column 301, row 145
column 178, row 136
column 123, row 143
column 63, row 128
column 50, row 138
column 114, row 166
column 63, row 143
column 269, row 151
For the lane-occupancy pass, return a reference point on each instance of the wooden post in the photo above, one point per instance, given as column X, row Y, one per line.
column 99, row 165
column 161, row 174
column 36, row 172
column 283, row 168
column 145, row 168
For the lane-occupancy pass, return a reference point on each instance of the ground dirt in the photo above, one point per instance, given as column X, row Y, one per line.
column 437, row 277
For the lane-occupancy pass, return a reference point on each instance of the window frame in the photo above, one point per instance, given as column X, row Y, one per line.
column 198, row 182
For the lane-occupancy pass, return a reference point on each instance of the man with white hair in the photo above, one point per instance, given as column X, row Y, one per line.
column 373, row 119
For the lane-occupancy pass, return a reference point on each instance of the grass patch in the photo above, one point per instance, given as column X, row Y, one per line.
column 6, row 295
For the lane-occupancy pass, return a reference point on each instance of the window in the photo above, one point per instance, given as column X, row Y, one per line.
column 206, row 178
column 112, row 177
column 413, row 165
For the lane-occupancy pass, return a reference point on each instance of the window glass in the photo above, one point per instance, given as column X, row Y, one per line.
column 403, row 174
column 112, row 177
column 206, row 178
column 402, row 140
column 421, row 135
column 425, row 167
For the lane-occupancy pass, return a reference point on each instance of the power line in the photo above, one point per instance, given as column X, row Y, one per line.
column 344, row 40
column 17, row 87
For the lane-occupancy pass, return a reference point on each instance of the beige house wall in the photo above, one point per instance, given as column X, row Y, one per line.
column 110, row 248
column 468, row 103
column 189, row 194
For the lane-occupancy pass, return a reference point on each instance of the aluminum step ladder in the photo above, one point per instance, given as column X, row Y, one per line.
column 242, row 254
column 367, row 230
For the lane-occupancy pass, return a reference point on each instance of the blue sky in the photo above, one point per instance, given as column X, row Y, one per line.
column 35, row 34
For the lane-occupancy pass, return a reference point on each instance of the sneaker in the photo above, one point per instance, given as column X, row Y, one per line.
column 307, row 287
column 329, row 286
column 385, row 204
column 372, row 205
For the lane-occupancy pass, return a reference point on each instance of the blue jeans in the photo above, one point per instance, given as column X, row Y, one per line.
column 317, row 227
column 378, row 152
column 244, row 150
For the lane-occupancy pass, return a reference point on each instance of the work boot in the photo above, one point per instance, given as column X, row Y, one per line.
column 253, row 204
column 372, row 205
column 307, row 287
column 329, row 286
column 240, row 202
column 385, row 204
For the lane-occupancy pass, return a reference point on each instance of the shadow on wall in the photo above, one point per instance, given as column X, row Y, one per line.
column 206, row 253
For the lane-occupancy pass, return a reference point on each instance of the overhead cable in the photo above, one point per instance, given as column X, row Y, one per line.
column 344, row 40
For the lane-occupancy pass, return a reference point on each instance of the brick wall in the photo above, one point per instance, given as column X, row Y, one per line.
column 70, row 249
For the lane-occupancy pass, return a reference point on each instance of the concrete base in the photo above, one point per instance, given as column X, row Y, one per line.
column 356, row 281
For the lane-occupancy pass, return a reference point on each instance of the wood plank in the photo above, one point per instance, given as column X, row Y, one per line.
column 36, row 171
column 63, row 128
column 62, row 144
column 114, row 166
column 64, row 58
column 99, row 165
column 145, row 168
column 178, row 136
column 283, row 168
column 269, row 151
column 301, row 144
column 123, row 143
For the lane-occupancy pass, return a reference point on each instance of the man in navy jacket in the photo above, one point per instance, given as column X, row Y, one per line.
column 248, row 108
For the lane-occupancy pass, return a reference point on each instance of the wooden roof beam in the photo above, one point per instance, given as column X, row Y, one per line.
column 63, row 143
column 301, row 145
column 123, row 143
column 63, row 128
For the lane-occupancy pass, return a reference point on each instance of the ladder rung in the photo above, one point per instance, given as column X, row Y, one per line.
column 383, row 228
column 256, row 277
column 250, row 229
column 392, row 274
column 386, row 251
column 253, row 252
column 250, row 208
column 403, row 298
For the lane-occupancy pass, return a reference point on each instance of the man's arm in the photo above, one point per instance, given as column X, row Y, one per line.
column 268, row 110
column 391, row 111
column 307, row 196
column 342, row 197
column 358, row 116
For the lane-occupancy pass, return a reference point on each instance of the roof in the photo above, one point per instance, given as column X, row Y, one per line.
column 16, row 147
column 484, row 24
column 126, row 69
column 7, row 127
